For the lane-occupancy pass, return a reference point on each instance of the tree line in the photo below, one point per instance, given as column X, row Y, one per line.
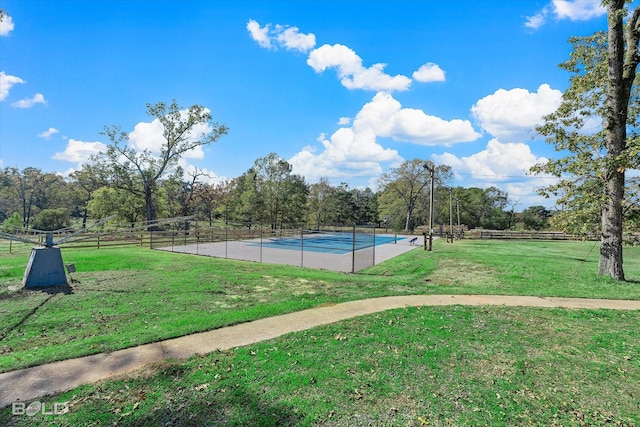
column 267, row 193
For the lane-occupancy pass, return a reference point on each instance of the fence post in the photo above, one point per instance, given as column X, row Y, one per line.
column 302, row 247
column 353, row 250
column 374, row 246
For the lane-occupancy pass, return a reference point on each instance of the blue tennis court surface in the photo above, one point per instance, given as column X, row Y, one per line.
column 331, row 244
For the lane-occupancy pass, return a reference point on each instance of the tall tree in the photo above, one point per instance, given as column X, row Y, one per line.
column 211, row 200
column 408, row 185
column 484, row 208
column 107, row 201
column 179, row 193
column 269, row 193
column 319, row 200
column 366, row 205
column 535, row 217
column 86, row 181
column 343, row 207
column 294, row 208
column 246, row 203
column 592, row 174
column 407, row 182
column 33, row 190
column 9, row 203
column 139, row 172
column 272, row 173
column 622, row 63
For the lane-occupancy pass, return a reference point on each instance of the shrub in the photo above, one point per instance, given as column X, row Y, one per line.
column 51, row 219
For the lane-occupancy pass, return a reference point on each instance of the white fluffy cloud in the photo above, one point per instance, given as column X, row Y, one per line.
column 538, row 20
column 79, row 151
column 6, row 83
column 497, row 162
column 259, row 34
column 351, row 72
column 386, row 117
column 280, row 35
column 6, row 25
column 38, row 98
column 347, row 64
column 574, row 10
column 578, row 10
column 512, row 114
column 47, row 133
column 505, row 165
column 355, row 151
column 291, row 38
column 429, row 72
column 346, row 154
column 148, row 136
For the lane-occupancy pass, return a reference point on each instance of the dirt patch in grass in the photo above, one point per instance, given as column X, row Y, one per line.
column 296, row 285
column 451, row 271
column 115, row 281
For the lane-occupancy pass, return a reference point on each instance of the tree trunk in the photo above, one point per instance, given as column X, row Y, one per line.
column 25, row 217
column 611, row 241
column 148, row 202
column 408, row 220
column 618, row 92
column 84, row 218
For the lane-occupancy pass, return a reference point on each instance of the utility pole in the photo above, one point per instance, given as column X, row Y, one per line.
column 451, row 214
column 458, row 209
column 429, row 244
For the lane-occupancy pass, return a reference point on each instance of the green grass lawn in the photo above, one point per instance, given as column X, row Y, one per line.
column 430, row 366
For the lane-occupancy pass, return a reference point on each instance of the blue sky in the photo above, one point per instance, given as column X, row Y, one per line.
column 341, row 89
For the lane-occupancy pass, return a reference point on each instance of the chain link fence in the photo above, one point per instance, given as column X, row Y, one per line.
column 347, row 249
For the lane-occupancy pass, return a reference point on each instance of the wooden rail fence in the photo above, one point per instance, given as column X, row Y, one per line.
column 529, row 235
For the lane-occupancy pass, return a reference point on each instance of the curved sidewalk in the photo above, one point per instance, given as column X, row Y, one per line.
column 31, row 383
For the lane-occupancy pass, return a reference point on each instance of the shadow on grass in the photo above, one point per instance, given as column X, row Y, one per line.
column 582, row 260
column 55, row 290
column 52, row 291
column 237, row 407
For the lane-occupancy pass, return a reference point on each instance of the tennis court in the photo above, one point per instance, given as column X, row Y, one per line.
column 329, row 243
column 341, row 251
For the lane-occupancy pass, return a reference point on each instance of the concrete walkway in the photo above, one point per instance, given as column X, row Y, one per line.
column 28, row 384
